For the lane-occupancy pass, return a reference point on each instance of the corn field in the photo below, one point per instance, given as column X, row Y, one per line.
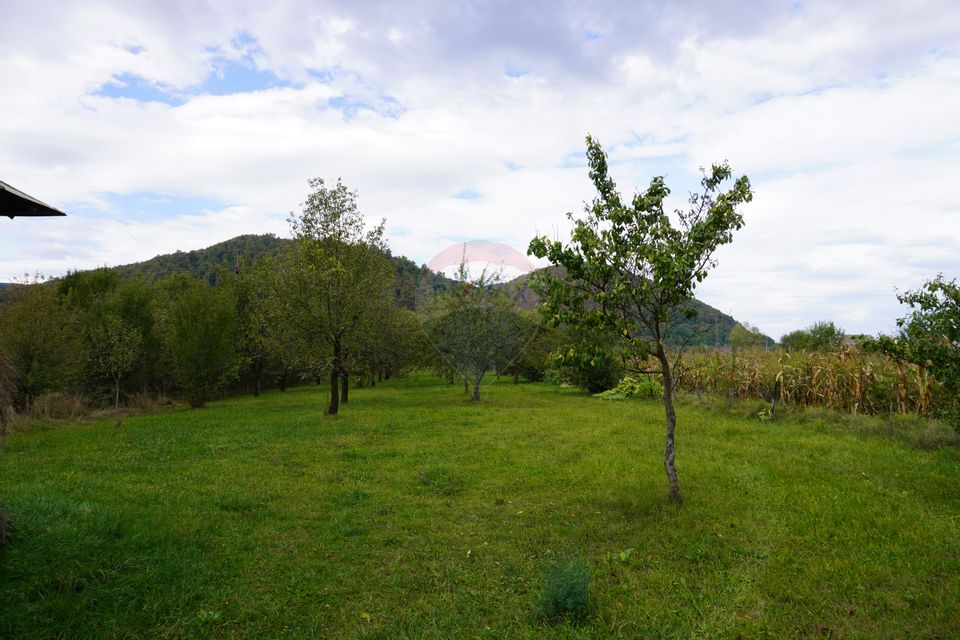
column 848, row 380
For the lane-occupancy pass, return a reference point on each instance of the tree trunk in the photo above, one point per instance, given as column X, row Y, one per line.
column 345, row 388
column 116, row 405
column 466, row 385
column 380, row 375
column 335, row 379
column 257, row 375
column 283, row 379
column 670, row 450
column 334, row 392
column 476, row 392
column 516, row 377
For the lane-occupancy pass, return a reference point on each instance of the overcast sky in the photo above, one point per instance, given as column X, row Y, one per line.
column 174, row 125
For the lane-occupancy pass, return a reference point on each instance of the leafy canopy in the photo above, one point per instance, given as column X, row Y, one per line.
column 628, row 265
column 930, row 337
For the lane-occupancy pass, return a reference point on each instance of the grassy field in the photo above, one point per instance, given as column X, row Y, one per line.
column 416, row 514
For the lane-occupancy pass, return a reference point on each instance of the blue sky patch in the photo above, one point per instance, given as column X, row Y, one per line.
column 227, row 76
column 382, row 105
column 467, row 194
column 144, row 206
column 127, row 85
column 239, row 76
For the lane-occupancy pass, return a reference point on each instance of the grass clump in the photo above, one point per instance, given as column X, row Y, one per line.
column 566, row 591
column 442, row 481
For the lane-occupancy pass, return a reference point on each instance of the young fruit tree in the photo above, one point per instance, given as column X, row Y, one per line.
column 476, row 328
column 116, row 347
column 628, row 267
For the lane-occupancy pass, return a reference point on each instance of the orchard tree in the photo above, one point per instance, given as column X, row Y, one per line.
column 628, row 267
column 476, row 328
column 115, row 349
column 201, row 334
column 338, row 275
column 43, row 338
column 929, row 337
column 250, row 292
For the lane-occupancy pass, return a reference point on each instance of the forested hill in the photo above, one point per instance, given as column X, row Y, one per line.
column 204, row 263
column 709, row 326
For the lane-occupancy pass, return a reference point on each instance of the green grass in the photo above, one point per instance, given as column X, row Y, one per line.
column 417, row 514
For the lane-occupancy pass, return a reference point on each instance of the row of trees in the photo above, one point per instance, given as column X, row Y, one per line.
column 820, row 336
column 328, row 306
column 332, row 305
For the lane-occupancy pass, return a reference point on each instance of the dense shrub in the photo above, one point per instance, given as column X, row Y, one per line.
column 634, row 388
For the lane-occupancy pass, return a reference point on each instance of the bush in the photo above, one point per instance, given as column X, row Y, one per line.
column 634, row 388
column 552, row 376
column 592, row 376
column 566, row 591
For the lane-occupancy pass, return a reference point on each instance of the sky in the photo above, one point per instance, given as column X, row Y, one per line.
column 164, row 126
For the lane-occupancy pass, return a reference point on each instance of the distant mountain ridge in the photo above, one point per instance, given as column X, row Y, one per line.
column 709, row 327
column 204, row 263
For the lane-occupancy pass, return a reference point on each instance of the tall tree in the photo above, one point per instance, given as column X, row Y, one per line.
column 201, row 335
column 337, row 275
column 43, row 338
column 250, row 293
column 629, row 266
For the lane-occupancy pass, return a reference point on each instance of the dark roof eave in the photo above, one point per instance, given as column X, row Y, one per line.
column 14, row 202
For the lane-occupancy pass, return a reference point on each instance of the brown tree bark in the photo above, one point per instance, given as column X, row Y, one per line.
column 257, row 375
column 335, row 378
column 670, row 448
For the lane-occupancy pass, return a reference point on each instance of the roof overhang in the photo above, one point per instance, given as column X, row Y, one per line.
column 14, row 202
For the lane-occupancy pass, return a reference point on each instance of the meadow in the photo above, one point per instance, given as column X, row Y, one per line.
column 418, row 514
